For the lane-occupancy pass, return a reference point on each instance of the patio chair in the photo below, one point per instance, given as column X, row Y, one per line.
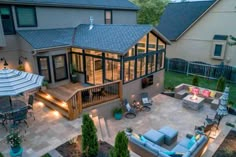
column 214, row 122
column 30, row 106
column 131, row 112
column 19, row 117
column 2, row 121
column 146, row 101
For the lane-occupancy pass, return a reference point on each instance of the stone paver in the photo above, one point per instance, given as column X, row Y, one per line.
column 47, row 132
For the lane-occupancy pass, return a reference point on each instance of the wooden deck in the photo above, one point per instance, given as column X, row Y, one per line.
column 64, row 92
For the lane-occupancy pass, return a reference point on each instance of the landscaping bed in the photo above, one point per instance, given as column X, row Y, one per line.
column 228, row 147
column 75, row 149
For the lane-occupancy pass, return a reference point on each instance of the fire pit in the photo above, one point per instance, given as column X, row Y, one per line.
column 193, row 102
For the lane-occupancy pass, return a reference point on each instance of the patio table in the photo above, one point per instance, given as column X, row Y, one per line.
column 16, row 106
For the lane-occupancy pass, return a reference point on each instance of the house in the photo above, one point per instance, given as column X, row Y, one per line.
column 98, row 40
column 200, row 30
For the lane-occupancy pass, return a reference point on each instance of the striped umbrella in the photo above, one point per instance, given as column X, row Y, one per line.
column 14, row 82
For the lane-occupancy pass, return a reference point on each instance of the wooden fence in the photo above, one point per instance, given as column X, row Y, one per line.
column 201, row 69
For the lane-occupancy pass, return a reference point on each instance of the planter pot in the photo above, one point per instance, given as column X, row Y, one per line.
column 15, row 149
column 118, row 116
column 232, row 110
column 74, row 78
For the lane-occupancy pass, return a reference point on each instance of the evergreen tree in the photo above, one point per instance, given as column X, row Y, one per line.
column 220, row 84
column 195, row 80
column 89, row 137
column 121, row 146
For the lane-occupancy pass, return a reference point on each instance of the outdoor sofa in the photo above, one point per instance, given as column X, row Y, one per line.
column 182, row 149
column 210, row 96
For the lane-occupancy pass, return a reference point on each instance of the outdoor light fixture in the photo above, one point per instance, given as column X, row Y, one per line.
column 20, row 61
column 5, row 62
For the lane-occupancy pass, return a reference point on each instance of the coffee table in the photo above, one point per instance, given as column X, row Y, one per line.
column 194, row 104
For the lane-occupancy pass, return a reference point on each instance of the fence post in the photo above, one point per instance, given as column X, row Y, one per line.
column 168, row 63
column 187, row 68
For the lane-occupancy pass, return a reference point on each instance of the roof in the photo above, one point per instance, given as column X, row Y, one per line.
column 220, row 37
column 107, row 4
column 107, row 38
column 178, row 17
column 47, row 38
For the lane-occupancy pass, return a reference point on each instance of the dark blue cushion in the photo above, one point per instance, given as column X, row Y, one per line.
column 185, row 142
column 191, row 142
column 179, row 148
column 153, row 148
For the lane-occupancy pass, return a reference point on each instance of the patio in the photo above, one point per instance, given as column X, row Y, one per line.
column 50, row 130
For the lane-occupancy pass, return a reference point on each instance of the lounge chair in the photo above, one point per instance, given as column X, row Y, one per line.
column 131, row 112
column 146, row 101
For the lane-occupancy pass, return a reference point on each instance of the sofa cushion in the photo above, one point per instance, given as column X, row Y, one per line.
column 179, row 148
column 174, row 154
column 191, row 142
column 190, row 88
column 193, row 148
column 154, row 136
column 152, row 147
column 213, row 94
column 206, row 93
column 184, row 142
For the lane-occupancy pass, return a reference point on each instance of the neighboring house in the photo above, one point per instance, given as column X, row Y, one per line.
column 100, row 40
column 199, row 31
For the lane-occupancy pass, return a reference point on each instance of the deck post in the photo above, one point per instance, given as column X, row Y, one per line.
column 79, row 103
column 121, row 90
column 70, row 109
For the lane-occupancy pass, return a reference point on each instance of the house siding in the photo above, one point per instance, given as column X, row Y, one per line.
column 124, row 17
column 196, row 44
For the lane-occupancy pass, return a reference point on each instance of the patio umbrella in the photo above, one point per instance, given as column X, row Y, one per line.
column 222, row 109
column 14, row 82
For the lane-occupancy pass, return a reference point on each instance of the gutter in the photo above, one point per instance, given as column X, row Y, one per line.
column 49, row 48
column 197, row 19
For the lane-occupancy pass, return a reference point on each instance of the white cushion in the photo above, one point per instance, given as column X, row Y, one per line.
column 145, row 100
column 128, row 107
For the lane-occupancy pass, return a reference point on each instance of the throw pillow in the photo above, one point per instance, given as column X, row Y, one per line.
column 197, row 137
column 174, row 154
column 191, row 142
column 190, row 89
column 195, row 91
column 206, row 93
column 169, row 152
column 213, row 94
column 143, row 139
column 136, row 136
column 145, row 100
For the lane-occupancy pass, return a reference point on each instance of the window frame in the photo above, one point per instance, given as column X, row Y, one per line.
column 82, row 64
column 223, row 48
column 105, row 17
column 40, row 68
column 54, row 70
column 34, row 15
column 12, row 20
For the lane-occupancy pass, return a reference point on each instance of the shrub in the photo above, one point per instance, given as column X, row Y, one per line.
column 117, row 110
column 220, row 84
column 14, row 139
column 121, row 146
column 1, row 155
column 195, row 80
column 89, row 137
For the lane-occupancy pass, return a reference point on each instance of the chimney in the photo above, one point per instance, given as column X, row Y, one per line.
column 91, row 23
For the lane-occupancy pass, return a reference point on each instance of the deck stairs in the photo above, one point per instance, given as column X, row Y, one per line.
column 102, row 129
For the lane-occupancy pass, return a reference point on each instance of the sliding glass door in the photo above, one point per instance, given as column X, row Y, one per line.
column 44, row 68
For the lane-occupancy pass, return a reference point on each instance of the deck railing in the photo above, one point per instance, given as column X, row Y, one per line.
column 91, row 96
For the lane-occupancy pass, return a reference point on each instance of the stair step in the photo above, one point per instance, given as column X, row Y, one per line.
column 54, row 153
column 96, row 123
column 103, row 128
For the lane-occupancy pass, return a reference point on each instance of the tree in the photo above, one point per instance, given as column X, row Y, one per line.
column 220, row 84
column 232, row 43
column 195, row 80
column 89, row 137
column 150, row 10
column 121, row 146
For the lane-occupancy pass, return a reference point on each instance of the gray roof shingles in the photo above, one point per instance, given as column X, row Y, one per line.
column 47, row 38
column 108, row 4
column 177, row 17
column 110, row 38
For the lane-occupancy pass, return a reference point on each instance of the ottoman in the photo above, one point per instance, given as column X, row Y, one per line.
column 154, row 136
column 170, row 134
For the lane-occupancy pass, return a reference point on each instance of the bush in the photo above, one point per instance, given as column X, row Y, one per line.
column 89, row 137
column 117, row 110
column 121, row 146
column 220, row 84
column 1, row 155
column 195, row 80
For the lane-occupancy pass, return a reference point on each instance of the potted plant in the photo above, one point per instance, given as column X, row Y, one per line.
column 1, row 154
column 74, row 76
column 128, row 131
column 44, row 85
column 231, row 107
column 117, row 113
column 15, row 140
column 21, row 67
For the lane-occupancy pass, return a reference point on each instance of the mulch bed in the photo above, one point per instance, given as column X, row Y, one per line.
column 228, row 147
column 75, row 149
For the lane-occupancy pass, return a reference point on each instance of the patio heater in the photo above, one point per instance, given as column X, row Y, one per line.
column 222, row 109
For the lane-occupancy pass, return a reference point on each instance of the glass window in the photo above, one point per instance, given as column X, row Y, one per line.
column 26, row 16
column 7, row 20
column 151, row 63
column 92, row 52
column 77, row 62
column 113, row 56
column 131, row 52
column 161, row 45
column 60, row 67
column 152, row 43
column 218, row 50
column 112, row 70
column 141, row 67
column 129, row 70
column 108, row 17
column 141, row 46
column 44, row 69
column 160, row 62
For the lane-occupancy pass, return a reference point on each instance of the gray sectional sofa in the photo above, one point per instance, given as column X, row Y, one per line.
column 153, row 150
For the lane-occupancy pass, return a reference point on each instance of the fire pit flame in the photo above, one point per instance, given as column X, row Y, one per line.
column 194, row 97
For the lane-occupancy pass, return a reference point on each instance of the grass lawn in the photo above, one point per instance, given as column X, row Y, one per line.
column 173, row 79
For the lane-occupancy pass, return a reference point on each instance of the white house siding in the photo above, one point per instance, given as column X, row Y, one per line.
column 134, row 88
column 196, row 43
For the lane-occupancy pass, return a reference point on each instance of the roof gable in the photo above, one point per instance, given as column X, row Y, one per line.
column 178, row 17
column 109, row 4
